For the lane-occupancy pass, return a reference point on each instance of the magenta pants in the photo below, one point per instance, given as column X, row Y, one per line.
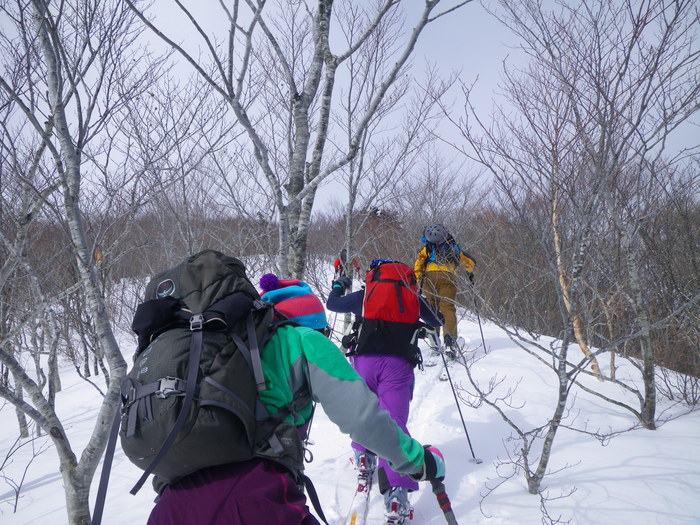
column 391, row 378
column 256, row 491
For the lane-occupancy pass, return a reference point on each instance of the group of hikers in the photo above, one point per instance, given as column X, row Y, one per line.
column 295, row 365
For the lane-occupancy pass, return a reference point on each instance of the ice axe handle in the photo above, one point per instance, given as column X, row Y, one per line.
column 443, row 501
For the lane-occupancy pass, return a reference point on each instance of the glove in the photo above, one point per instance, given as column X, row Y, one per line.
column 344, row 282
column 471, row 277
column 433, row 465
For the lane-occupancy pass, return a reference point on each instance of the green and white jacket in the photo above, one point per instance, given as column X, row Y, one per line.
column 297, row 356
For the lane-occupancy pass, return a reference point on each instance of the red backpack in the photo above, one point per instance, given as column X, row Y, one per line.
column 390, row 312
column 391, row 293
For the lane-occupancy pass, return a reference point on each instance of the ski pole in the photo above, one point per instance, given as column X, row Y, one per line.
column 478, row 317
column 459, row 409
column 443, row 501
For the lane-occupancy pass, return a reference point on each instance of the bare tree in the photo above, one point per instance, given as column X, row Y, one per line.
column 278, row 73
column 578, row 157
column 67, row 82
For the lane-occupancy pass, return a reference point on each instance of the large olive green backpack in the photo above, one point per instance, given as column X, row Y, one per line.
column 190, row 400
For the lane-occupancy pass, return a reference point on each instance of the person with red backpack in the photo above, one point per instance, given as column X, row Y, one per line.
column 384, row 355
column 341, row 261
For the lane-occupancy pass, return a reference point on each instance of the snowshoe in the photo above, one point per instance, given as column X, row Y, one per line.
column 444, row 374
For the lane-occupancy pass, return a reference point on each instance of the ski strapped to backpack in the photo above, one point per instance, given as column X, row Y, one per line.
column 340, row 264
column 390, row 311
column 196, row 378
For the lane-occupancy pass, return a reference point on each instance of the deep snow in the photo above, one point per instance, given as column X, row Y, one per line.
column 640, row 477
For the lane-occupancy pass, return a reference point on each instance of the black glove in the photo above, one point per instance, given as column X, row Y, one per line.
column 471, row 277
column 344, row 282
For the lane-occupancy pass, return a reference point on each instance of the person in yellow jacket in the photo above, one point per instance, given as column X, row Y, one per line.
column 436, row 269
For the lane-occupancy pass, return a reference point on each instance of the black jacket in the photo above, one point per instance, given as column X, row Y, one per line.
column 377, row 337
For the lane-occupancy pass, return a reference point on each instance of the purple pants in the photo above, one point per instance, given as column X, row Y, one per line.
column 391, row 378
column 256, row 491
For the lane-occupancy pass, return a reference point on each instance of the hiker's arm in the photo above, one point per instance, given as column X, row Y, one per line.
column 351, row 303
column 355, row 409
column 427, row 314
column 420, row 262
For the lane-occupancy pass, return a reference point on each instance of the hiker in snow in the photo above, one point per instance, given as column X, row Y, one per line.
column 295, row 300
column 436, row 269
column 341, row 261
column 292, row 367
column 384, row 355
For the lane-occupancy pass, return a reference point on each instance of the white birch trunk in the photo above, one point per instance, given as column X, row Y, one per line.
column 77, row 476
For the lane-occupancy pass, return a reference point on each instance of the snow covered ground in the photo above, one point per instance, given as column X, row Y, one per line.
column 640, row 477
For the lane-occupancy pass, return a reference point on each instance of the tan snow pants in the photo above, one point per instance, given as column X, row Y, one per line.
column 440, row 291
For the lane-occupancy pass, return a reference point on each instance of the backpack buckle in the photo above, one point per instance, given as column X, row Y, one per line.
column 196, row 322
column 168, row 386
column 128, row 397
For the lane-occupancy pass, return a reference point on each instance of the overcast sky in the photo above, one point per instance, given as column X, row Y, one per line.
column 469, row 41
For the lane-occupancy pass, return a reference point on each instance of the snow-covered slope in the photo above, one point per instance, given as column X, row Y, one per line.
column 640, row 477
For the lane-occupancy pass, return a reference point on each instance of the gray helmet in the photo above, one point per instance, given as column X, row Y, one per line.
column 436, row 233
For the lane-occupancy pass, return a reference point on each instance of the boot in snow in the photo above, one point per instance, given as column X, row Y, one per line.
column 453, row 348
column 433, row 357
column 365, row 463
column 398, row 508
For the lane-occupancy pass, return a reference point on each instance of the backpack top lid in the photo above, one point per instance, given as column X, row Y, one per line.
column 377, row 262
column 201, row 280
column 435, row 233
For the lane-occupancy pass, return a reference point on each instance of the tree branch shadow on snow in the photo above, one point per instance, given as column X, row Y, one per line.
column 520, row 446
column 12, row 497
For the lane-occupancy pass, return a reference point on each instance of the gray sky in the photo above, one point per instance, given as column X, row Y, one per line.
column 470, row 42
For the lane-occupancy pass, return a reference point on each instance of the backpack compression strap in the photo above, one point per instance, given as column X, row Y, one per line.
column 252, row 354
column 398, row 283
column 196, row 325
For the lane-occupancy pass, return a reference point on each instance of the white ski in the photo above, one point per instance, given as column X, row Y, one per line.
column 444, row 373
column 360, row 502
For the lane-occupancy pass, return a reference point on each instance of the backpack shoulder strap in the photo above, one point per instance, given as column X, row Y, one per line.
column 251, row 353
column 313, row 496
column 106, row 469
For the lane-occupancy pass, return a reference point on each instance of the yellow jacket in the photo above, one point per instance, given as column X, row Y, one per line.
column 433, row 266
